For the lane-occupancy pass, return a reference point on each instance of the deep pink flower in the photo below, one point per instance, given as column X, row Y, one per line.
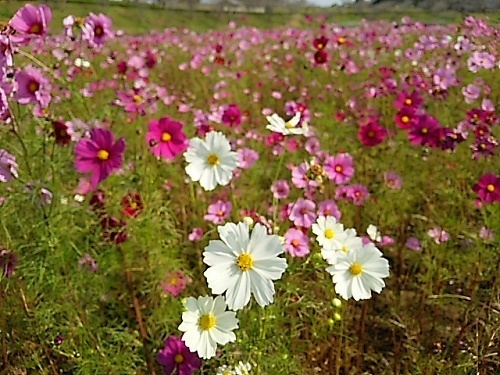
column 329, row 208
column 488, row 188
column 320, row 42
column 32, row 87
column 96, row 29
column 231, row 116
column 114, row 230
column 166, row 138
column 31, row 20
column 407, row 100
column 296, row 243
column 424, row 131
column 339, row 168
column 303, row 213
column 175, row 355
column 218, row 212
column 247, row 157
column 372, row 134
column 100, row 155
column 175, row 282
column 405, row 117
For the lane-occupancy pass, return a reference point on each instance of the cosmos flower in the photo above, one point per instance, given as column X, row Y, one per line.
column 303, row 213
column 372, row 134
column 393, row 180
column 32, row 87
column 247, row 157
column 296, row 243
column 8, row 166
column 206, row 323
column 218, row 212
column 166, row 138
column 31, row 20
column 328, row 231
column 438, row 235
column 329, row 208
column 488, row 188
column 280, row 189
column 175, row 282
column 96, row 29
column 175, row 356
column 359, row 272
column 211, row 161
column 100, row 155
column 231, row 116
column 278, row 125
column 339, row 168
column 241, row 264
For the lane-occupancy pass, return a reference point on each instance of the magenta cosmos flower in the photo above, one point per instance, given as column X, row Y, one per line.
column 372, row 134
column 32, row 87
column 231, row 116
column 339, row 168
column 176, row 356
column 296, row 243
column 165, row 138
column 100, row 155
column 488, row 188
column 218, row 212
column 96, row 29
column 31, row 20
column 303, row 213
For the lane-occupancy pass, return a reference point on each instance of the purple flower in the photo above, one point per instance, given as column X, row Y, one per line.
column 231, row 116
column 100, row 155
column 413, row 243
column 471, row 92
column 339, row 168
column 280, row 189
column 218, row 212
column 8, row 166
column 393, row 180
column 31, row 20
column 96, row 29
column 445, row 78
column 8, row 261
column 438, row 235
column 296, row 243
column 481, row 60
column 329, row 208
column 247, row 157
column 176, row 356
column 303, row 213
column 88, row 262
column 32, row 87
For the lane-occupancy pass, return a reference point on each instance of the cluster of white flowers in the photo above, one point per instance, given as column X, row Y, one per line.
column 356, row 268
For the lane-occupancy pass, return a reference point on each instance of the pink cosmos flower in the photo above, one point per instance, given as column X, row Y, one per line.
column 481, row 60
column 31, row 20
column 175, row 356
column 471, row 92
column 280, row 189
column 488, row 188
column 247, row 157
column 406, row 100
column 312, row 145
column 88, row 262
column 423, row 131
column 8, row 166
column 339, row 168
column 231, row 116
column 296, row 243
column 358, row 194
column 329, row 208
column 372, row 134
column 405, row 117
column 166, row 138
column 100, row 155
column 413, row 243
column 486, row 234
column 175, row 282
column 32, row 87
column 393, row 180
column 300, row 178
column 96, row 29
column 196, row 234
column 438, row 235
column 303, row 213
column 218, row 212
column 6, row 54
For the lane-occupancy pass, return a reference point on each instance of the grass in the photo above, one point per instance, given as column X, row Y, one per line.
column 439, row 313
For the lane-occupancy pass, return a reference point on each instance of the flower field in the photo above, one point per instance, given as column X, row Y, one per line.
column 288, row 200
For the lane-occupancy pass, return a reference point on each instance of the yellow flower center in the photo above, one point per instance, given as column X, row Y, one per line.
column 245, row 262
column 329, row 233
column 79, row 21
column 288, row 125
column 339, row 169
column 424, row 131
column 220, row 213
column 408, row 101
column 405, row 119
column 133, row 205
column 344, row 249
column 320, row 45
column 165, row 137
column 356, row 269
column 33, row 86
column 207, row 321
column 137, row 99
column 213, row 160
column 178, row 358
column 174, row 281
column 103, row 155
column 295, row 243
column 490, row 188
column 341, row 40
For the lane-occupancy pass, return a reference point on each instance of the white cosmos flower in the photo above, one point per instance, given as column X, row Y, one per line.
column 345, row 242
column 374, row 233
column 358, row 272
column 242, row 264
column 278, row 125
column 211, row 161
column 328, row 231
column 81, row 63
column 206, row 323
